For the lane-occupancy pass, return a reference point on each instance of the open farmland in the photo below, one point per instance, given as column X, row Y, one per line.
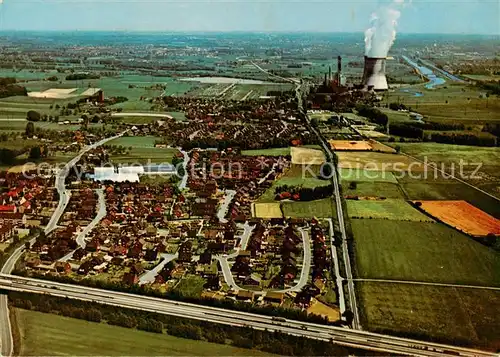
column 307, row 156
column 373, row 189
column 451, row 315
column 366, row 175
column 428, row 252
column 377, row 161
column 320, row 208
column 391, row 209
column 141, row 150
column 451, row 103
column 462, row 216
column 275, row 151
column 267, row 210
column 135, row 141
column 232, row 89
column 47, row 334
column 346, row 145
column 421, row 189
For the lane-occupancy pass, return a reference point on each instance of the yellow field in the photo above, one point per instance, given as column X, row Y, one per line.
column 305, row 156
column 267, row 210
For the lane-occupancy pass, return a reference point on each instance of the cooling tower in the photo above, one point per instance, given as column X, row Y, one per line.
column 374, row 74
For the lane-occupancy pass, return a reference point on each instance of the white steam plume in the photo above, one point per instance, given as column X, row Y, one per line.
column 382, row 33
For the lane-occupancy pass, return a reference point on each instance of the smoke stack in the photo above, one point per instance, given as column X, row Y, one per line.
column 374, row 74
column 339, row 65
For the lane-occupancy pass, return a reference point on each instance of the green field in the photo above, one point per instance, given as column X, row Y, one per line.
column 391, row 209
column 373, row 189
column 142, row 151
column 430, row 252
column 274, row 151
column 452, row 315
column 321, row 208
column 135, row 141
column 366, row 175
column 295, row 176
column 450, row 103
column 52, row 335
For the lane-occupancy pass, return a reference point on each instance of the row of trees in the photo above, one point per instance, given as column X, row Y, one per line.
column 300, row 193
column 174, row 295
column 373, row 114
column 271, row 342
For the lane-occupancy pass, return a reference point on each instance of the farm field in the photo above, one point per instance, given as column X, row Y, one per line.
column 451, row 315
column 275, row 151
column 377, row 161
column 135, row 141
column 346, row 145
column 451, row 103
column 366, row 175
column 320, row 208
column 232, row 89
column 295, row 176
column 462, row 216
column 448, row 155
column 47, row 334
column 145, row 156
column 267, row 210
column 373, row 189
column 390, row 209
column 449, row 190
column 426, row 252
column 307, row 156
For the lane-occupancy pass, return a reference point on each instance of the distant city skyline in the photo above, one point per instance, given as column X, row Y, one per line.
column 417, row 16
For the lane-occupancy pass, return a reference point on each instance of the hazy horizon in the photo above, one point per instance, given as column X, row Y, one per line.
column 477, row 17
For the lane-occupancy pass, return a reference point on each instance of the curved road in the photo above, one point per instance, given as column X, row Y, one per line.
column 7, row 345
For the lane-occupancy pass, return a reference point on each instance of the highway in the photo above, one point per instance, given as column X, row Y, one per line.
column 7, row 346
column 340, row 216
column 342, row 336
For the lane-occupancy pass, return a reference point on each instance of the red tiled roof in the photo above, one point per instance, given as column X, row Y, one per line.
column 7, row 208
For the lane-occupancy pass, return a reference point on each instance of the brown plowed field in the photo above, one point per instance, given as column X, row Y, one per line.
column 462, row 216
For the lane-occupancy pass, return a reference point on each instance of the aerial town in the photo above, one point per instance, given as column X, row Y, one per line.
column 248, row 194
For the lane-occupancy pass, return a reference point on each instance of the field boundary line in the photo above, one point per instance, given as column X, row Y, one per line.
column 453, row 177
column 409, row 282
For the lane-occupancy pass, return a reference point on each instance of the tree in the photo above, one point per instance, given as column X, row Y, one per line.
column 35, row 153
column 33, row 116
column 353, row 185
column 30, row 129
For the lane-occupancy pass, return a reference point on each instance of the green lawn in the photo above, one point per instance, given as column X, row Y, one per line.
column 450, row 315
column 321, row 208
column 392, row 209
column 191, row 286
column 52, row 335
column 430, row 252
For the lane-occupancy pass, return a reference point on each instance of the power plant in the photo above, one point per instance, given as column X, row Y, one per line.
column 374, row 74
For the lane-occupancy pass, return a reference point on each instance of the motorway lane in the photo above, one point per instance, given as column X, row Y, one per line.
column 342, row 336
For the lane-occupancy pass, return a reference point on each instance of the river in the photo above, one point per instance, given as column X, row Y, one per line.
column 427, row 73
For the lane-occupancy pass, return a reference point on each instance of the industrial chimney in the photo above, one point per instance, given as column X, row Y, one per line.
column 374, row 74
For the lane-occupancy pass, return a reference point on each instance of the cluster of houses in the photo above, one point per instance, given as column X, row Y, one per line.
column 24, row 203
column 248, row 176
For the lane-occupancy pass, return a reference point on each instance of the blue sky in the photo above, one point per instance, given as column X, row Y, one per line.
column 420, row 16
